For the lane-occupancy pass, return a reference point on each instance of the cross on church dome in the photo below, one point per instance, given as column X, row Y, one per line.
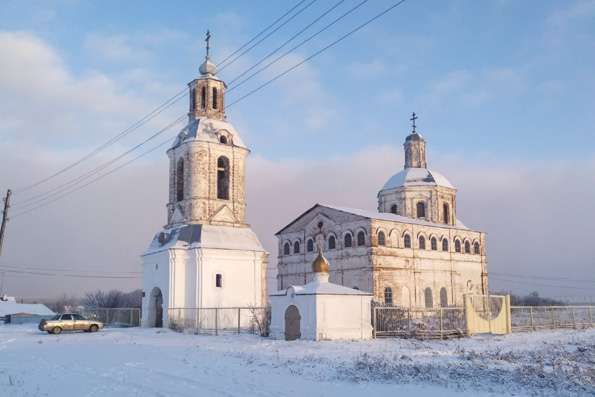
column 208, row 67
column 412, row 119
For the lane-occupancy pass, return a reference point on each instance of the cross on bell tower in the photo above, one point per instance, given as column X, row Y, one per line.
column 412, row 119
column 208, row 41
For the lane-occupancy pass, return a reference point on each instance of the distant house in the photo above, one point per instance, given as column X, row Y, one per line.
column 18, row 313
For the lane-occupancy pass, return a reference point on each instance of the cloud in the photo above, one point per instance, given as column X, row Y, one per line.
column 537, row 215
column 44, row 103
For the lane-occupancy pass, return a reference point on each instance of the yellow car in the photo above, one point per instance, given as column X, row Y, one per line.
column 69, row 322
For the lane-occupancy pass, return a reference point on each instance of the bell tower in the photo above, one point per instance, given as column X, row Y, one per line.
column 207, row 159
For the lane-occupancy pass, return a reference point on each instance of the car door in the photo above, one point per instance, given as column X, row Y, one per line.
column 80, row 323
column 67, row 322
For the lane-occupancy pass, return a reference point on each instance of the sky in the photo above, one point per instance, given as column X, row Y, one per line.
column 504, row 91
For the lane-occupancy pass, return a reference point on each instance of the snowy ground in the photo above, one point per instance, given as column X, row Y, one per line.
column 149, row 362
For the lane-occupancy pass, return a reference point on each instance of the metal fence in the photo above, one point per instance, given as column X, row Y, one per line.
column 252, row 320
column 444, row 322
column 114, row 317
column 532, row 318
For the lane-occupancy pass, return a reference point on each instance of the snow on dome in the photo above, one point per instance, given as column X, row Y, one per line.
column 208, row 68
column 417, row 177
column 209, row 130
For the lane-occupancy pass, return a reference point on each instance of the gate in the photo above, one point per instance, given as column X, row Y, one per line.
column 487, row 314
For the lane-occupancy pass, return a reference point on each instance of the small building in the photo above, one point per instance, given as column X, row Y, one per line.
column 18, row 313
column 320, row 310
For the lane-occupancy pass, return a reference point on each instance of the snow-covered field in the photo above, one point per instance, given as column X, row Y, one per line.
column 149, row 362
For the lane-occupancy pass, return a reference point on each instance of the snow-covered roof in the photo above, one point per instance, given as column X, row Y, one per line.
column 8, row 308
column 383, row 216
column 317, row 287
column 208, row 130
column 417, row 177
column 205, row 236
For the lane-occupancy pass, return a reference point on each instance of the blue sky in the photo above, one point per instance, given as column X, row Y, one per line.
column 504, row 90
column 503, row 78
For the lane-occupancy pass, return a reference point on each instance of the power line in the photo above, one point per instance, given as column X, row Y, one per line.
column 262, row 32
column 49, row 274
column 287, row 41
column 154, row 113
column 94, row 180
column 51, row 269
column 220, row 68
column 542, row 278
column 306, row 40
column 73, row 182
column 287, row 71
column 539, row 284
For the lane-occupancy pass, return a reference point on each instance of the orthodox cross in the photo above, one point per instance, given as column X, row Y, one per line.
column 208, row 40
column 412, row 119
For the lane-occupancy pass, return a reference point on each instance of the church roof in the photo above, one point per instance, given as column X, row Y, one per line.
column 417, row 177
column 205, row 236
column 207, row 130
column 321, row 288
column 383, row 216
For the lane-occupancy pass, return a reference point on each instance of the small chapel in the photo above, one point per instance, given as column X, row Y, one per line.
column 206, row 255
column 413, row 252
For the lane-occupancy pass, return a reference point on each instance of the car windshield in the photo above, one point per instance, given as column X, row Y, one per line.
column 56, row 317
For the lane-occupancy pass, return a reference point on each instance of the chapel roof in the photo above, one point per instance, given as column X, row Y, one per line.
column 205, row 129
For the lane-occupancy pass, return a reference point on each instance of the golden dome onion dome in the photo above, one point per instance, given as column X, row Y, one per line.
column 320, row 264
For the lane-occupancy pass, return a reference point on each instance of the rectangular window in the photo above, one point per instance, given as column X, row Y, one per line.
column 218, row 281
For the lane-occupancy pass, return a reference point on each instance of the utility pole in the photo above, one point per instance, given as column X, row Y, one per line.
column 4, row 218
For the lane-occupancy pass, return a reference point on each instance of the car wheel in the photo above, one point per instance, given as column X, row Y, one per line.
column 56, row 330
column 93, row 328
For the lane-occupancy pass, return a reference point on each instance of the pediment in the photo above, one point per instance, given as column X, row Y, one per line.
column 178, row 215
column 224, row 214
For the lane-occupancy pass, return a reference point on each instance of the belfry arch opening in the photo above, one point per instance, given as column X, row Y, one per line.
column 156, row 308
column 180, row 180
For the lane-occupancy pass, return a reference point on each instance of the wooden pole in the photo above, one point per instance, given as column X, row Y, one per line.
column 4, row 218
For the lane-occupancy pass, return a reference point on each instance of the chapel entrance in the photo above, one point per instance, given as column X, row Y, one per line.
column 292, row 323
column 156, row 308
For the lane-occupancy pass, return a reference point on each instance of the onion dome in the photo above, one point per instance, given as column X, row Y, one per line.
column 320, row 264
column 208, row 68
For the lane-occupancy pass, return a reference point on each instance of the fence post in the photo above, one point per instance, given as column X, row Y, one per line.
column 216, row 321
column 572, row 316
column 553, row 318
column 531, row 318
column 239, row 311
column 590, row 316
column 441, row 325
column 374, row 321
column 409, row 321
column 131, row 317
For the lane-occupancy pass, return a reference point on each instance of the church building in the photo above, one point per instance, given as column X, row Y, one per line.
column 206, row 256
column 413, row 252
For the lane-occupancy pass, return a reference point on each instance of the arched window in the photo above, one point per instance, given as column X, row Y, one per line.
column 310, row 245
column 422, row 243
column 223, row 178
column 192, row 99
column 296, row 247
column 286, row 249
column 388, row 296
column 457, row 246
column 407, row 241
column 428, row 297
column 443, row 297
column 476, row 248
column 214, row 97
column 218, row 281
column 223, row 139
column 434, row 243
column 361, row 239
column 348, row 240
column 444, row 244
column 180, row 180
column 203, row 97
column 394, row 209
column 467, row 247
column 381, row 238
column 332, row 243
column 421, row 209
column 445, row 213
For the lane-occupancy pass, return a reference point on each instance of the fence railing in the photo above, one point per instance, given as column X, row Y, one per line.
column 444, row 322
column 114, row 317
column 253, row 320
column 532, row 318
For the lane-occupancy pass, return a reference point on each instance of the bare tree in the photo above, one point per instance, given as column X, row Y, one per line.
column 113, row 299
